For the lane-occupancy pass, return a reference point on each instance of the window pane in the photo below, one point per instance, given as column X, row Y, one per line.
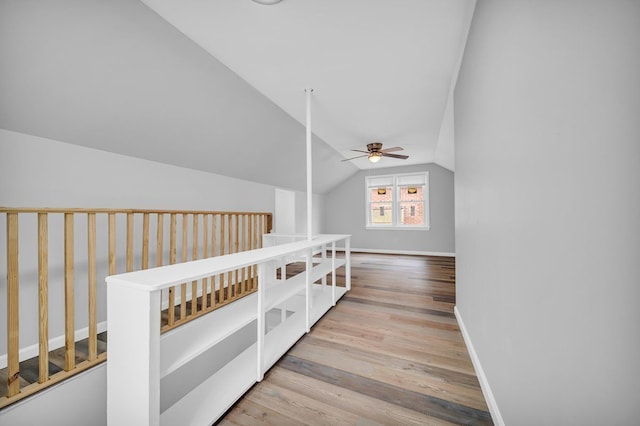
column 412, row 213
column 381, row 194
column 381, row 213
column 411, row 193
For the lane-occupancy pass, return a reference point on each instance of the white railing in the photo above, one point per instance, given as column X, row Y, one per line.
column 194, row 373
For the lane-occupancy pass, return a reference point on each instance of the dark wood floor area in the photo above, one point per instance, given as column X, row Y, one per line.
column 390, row 352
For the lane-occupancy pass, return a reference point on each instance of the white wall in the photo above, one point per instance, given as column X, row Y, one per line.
column 547, row 126
column 41, row 172
column 345, row 207
column 285, row 214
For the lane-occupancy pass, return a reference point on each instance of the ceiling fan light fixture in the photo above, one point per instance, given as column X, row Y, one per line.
column 374, row 157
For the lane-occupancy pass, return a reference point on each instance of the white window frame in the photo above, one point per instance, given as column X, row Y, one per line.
column 394, row 182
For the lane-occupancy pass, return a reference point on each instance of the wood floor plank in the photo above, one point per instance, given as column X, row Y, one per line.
column 251, row 413
column 398, row 306
column 430, row 344
column 391, row 370
column 435, row 407
column 438, row 356
column 370, row 410
column 384, row 323
column 398, row 297
column 299, row 407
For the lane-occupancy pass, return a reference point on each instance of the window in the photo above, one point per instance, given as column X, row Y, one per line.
column 398, row 201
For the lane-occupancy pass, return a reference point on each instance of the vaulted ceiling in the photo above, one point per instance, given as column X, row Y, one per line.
column 381, row 70
column 219, row 85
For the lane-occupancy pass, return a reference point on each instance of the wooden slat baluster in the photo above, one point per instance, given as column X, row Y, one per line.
column 205, row 254
column 43, row 297
column 269, row 222
column 194, row 256
column 253, row 246
column 237, row 247
column 183, row 286
column 112, row 243
column 159, row 241
column 13, row 345
column 69, row 328
column 214, row 219
column 129, row 242
column 222, row 235
column 243, row 283
column 91, row 259
column 259, row 230
column 145, row 240
column 172, row 260
column 230, row 287
column 249, row 247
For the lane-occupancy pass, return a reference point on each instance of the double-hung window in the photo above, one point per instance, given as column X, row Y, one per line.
column 398, row 201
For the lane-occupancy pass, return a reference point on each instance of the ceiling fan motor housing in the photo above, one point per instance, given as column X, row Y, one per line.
column 374, row 147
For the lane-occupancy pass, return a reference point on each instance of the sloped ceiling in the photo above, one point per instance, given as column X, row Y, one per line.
column 219, row 85
column 114, row 76
column 381, row 70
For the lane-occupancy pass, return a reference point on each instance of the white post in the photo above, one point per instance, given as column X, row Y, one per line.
column 333, row 273
column 347, row 266
column 324, row 259
column 133, row 370
column 308, row 301
column 309, row 175
column 262, row 284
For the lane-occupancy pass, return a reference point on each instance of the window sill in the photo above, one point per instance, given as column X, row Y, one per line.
column 397, row 228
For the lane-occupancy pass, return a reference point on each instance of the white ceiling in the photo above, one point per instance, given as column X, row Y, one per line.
column 381, row 70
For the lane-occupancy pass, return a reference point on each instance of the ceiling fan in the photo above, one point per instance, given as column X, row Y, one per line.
column 375, row 153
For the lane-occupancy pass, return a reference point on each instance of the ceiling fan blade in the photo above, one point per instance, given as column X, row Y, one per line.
column 359, row 156
column 402, row 157
column 358, row 150
column 395, row 148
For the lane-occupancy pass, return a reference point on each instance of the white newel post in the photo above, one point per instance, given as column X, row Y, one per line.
column 324, row 259
column 260, row 324
column 307, row 293
column 133, row 369
column 333, row 273
column 347, row 266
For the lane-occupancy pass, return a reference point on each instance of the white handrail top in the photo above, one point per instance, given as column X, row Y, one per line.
column 162, row 277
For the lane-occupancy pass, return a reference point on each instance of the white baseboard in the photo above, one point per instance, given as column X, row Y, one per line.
column 55, row 342
column 482, row 378
column 406, row 252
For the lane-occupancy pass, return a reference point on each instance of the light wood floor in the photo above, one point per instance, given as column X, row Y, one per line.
column 390, row 352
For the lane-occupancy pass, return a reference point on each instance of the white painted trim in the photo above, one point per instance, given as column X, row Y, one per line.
column 55, row 342
column 396, row 228
column 482, row 378
column 406, row 252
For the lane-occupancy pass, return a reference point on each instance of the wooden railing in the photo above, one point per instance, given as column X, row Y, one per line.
column 57, row 248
